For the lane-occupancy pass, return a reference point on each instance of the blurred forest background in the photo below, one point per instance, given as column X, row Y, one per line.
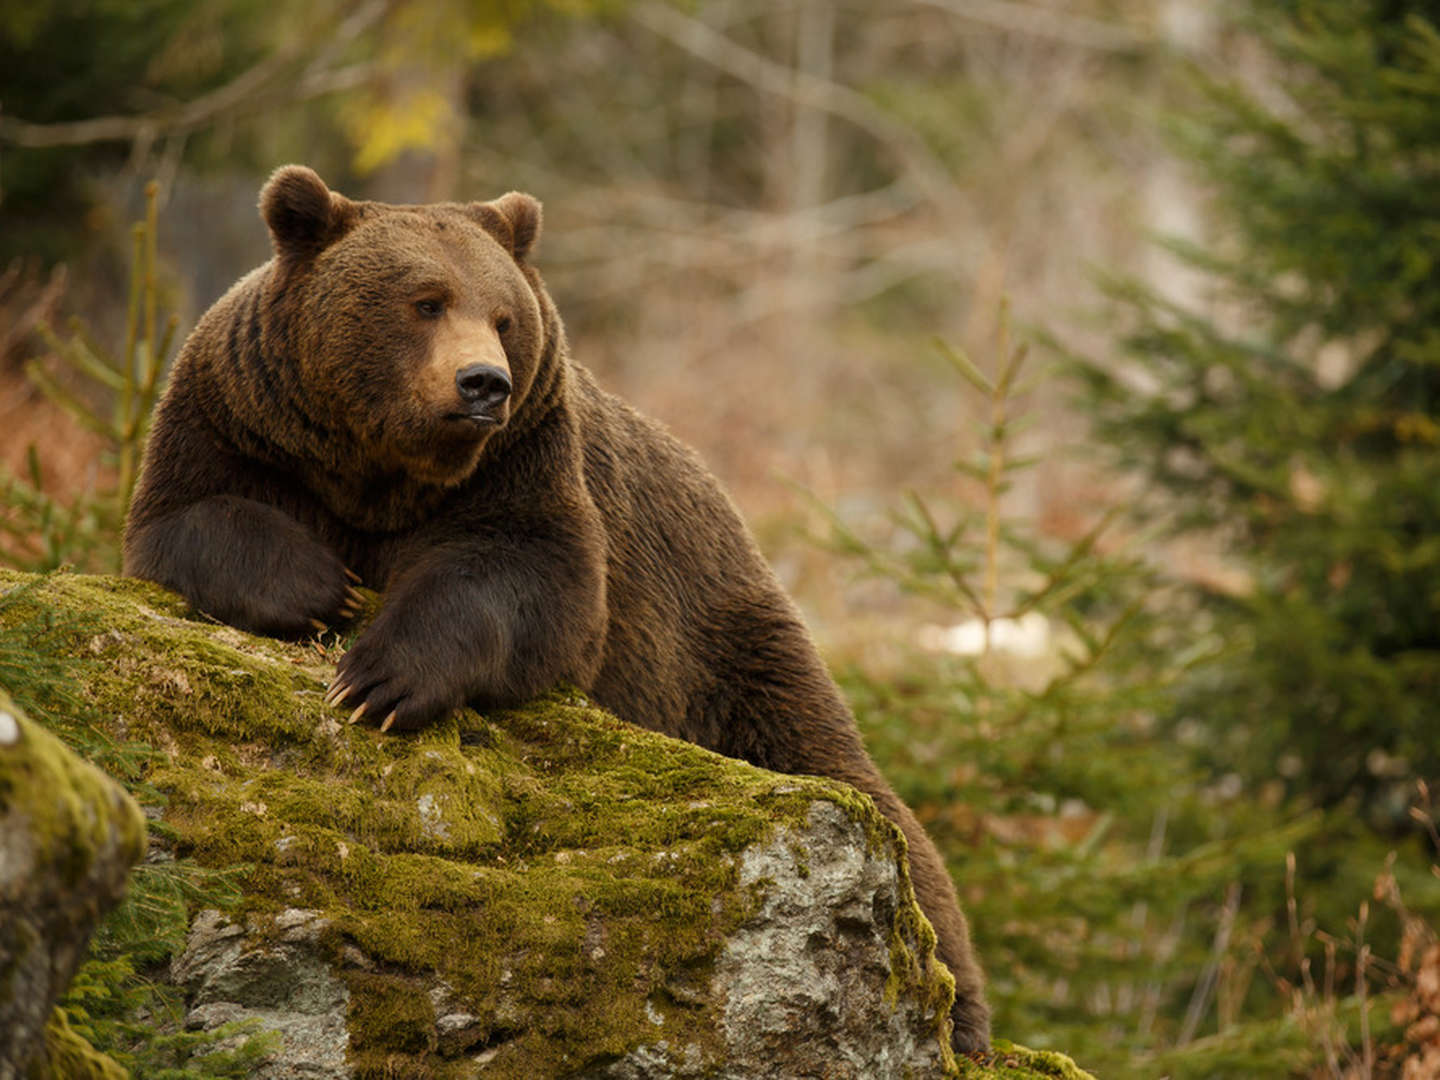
column 1077, row 363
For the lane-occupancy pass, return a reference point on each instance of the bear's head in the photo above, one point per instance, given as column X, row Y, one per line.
column 411, row 335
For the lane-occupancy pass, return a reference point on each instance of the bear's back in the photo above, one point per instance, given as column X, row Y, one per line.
column 687, row 589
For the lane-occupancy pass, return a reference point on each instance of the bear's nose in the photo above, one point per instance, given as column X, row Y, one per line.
column 483, row 384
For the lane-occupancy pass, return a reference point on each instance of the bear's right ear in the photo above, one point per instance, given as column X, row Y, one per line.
column 304, row 215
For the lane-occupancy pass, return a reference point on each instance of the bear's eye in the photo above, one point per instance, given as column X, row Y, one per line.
column 502, row 324
column 430, row 309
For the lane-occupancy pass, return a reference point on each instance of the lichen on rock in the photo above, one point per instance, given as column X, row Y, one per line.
column 546, row 891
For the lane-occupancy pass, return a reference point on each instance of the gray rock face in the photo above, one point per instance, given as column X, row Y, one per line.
column 799, row 982
column 278, row 977
column 539, row 892
column 68, row 836
column 801, row 985
column 798, row 991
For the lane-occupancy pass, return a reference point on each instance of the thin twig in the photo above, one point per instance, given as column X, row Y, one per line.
column 1362, row 956
column 1200, row 999
column 707, row 44
column 996, row 445
column 1048, row 23
column 1328, row 1010
column 249, row 90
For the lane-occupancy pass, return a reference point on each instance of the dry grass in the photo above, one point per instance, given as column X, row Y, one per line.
column 1407, row 987
column 69, row 453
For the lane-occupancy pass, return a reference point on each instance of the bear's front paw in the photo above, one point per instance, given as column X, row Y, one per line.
column 292, row 605
column 246, row 564
column 382, row 680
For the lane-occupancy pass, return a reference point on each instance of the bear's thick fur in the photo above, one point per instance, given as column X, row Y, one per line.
column 391, row 398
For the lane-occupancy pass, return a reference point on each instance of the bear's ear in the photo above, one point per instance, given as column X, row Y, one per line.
column 513, row 219
column 304, row 215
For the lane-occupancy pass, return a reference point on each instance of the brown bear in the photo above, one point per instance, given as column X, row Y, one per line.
column 390, row 400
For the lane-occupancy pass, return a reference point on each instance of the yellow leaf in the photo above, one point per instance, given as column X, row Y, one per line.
column 387, row 129
column 1416, row 427
column 488, row 40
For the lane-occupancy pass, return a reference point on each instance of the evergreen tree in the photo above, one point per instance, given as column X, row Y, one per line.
column 1295, row 420
column 1103, row 874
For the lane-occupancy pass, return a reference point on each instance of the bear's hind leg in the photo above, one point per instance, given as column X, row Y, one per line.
column 935, row 893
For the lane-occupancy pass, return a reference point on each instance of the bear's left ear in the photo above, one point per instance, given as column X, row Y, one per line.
column 513, row 219
column 303, row 214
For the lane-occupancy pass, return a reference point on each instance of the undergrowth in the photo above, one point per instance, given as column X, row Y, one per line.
column 108, row 391
column 1133, row 908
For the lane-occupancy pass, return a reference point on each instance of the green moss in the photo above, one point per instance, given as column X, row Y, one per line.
column 73, row 810
column 554, row 868
column 389, row 1015
column 75, row 815
column 1010, row 1062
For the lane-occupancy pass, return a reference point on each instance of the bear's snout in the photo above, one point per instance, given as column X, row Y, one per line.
column 483, row 387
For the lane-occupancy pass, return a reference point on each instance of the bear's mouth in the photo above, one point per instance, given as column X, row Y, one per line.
column 480, row 420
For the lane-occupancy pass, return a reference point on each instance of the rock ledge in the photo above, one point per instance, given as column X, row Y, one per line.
column 542, row 892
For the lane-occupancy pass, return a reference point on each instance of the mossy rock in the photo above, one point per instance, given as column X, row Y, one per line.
column 546, row 891
column 1010, row 1062
column 68, row 837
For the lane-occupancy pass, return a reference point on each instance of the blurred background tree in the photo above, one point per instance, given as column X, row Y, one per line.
column 1292, row 415
column 758, row 219
column 735, row 182
column 1119, row 894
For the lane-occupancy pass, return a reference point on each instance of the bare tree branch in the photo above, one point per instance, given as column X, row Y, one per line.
column 1045, row 23
column 180, row 121
column 246, row 91
column 910, row 151
column 25, row 303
